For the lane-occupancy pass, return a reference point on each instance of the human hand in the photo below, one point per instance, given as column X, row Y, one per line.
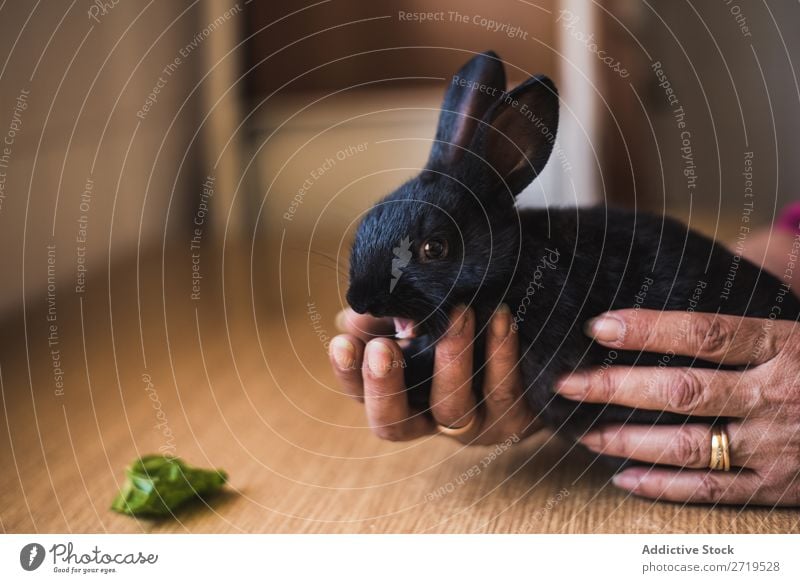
column 367, row 367
column 761, row 402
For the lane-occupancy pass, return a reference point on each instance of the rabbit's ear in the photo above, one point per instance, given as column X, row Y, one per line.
column 517, row 134
column 471, row 92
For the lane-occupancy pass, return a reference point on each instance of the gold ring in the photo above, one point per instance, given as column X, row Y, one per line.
column 458, row 431
column 720, row 450
column 726, row 450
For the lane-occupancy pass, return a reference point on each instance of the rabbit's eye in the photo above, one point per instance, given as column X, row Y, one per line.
column 434, row 249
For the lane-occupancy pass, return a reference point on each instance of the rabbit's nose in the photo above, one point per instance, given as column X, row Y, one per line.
column 360, row 307
column 358, row 301
column 363, row 303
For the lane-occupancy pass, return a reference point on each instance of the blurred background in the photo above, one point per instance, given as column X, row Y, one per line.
column 179, row 184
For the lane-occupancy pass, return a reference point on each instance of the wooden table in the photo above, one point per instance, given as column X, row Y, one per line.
column 244, row 385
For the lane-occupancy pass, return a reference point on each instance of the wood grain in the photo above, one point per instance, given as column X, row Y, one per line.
column 243, row 383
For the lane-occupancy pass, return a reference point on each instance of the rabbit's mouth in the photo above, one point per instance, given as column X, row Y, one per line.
column 404, row 328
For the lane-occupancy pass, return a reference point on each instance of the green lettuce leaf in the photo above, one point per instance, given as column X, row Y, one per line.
column 156, row 485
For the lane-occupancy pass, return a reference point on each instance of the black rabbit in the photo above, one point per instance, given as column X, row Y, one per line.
column 452, row 235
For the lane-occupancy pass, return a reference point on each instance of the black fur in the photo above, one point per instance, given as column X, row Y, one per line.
column 571, row 264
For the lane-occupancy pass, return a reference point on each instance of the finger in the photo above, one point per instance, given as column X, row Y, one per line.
column 680, row 390
column 452, row 400
column 693, row 485
column 385, row 400
column 713, row 337
column 363, row 326
column 686, row 446
column 506, row 411
column 346, row 354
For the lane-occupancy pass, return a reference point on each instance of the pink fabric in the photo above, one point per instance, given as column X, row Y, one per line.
column 789, row 218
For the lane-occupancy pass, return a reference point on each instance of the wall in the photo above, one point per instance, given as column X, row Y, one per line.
column 82, row 164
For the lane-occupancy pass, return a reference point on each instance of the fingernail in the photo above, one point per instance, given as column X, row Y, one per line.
column 591, row 440
column 626, row 480
column 501, row 322
column 379, row 359
column 574, row 385
column 344, row 353
column 605, row 328
column 459, row 319
column 341, row 321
